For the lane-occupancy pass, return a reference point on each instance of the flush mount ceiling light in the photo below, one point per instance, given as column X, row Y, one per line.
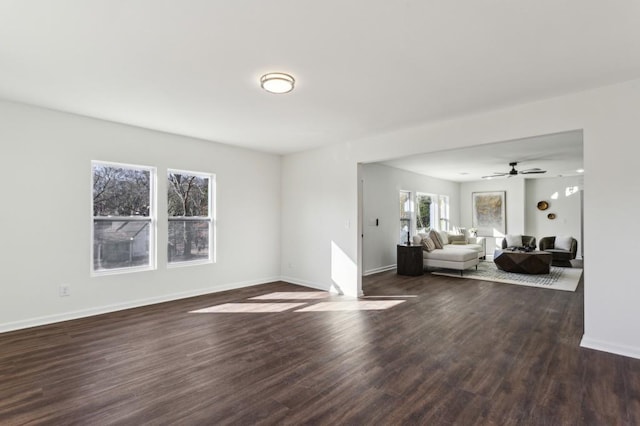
column 277, row 82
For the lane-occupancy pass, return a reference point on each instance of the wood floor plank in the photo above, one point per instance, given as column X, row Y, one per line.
column 455, row 351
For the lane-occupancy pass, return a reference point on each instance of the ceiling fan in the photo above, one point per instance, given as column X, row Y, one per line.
column 514, row 172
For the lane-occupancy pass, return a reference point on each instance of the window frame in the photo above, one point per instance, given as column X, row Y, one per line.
column 151, row 219
column 211, row 257
column 410, row 214
column 431, row 208
column 439, row 213
column 444, row 218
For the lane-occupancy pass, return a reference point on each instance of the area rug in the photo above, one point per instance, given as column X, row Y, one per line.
column 565, row 279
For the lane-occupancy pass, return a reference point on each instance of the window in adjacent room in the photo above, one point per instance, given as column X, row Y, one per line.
column 424, row 204
column 123, row 232
column 406, row 212
column 443, row 212
column 432, row 212
column 190, row 206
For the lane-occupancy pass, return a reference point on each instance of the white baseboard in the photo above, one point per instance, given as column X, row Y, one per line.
column 316, row 286
column 380, row 269
column 614, row 348
column 304, row 283
column 83, row 313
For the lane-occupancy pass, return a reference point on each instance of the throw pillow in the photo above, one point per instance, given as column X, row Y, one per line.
column 428, row 244
column 563, row 243
column 436, row 239
column 416, row 239
column 444, row 238
column 514, row 240
column 453, row 239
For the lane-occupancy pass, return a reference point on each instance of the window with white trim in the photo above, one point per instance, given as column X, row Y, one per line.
column 443, row 213
column 406, row 213
column 189, row 209
column 123, row 231
column 432, row 212
column 424, row 212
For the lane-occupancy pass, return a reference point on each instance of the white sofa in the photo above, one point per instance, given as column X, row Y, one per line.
column 456, row 253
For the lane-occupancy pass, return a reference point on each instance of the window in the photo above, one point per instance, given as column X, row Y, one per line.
column 443, row 212
column 406, row 211
column 424, row 205
column 123, row 231
column 432, row 212
column 189, row 205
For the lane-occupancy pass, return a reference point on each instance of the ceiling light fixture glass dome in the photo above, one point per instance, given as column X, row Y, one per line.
column 277, row 82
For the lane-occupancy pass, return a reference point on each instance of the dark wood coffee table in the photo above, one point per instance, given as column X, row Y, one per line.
column 523, row 262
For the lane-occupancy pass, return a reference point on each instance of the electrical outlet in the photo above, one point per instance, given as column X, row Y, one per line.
column 64, row 290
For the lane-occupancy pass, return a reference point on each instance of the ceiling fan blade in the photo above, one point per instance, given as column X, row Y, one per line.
column 513, row 172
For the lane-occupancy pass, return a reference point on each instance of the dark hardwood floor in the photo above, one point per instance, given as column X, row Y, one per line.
column 455, row 351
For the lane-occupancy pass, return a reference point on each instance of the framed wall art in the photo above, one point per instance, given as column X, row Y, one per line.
column 489, row 213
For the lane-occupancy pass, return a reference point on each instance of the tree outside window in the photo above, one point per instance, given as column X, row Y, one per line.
column 189, row 200
column 423, row 213
column 432, row 212
column 123, row 217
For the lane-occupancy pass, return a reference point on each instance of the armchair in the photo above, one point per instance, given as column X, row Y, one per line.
column 527, row 241
column 560, row 256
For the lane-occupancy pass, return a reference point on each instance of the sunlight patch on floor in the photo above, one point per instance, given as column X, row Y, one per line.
column 248, row 307
column 297, row 295
column 356, row 305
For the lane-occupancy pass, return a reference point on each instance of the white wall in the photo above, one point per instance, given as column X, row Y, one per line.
column 608, row 116
column 46, row 215
column 381, row 186
column 566, row 206
column 319, row 221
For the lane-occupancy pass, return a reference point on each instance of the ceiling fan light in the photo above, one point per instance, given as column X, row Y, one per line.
column 513, row 172
column 277, row 82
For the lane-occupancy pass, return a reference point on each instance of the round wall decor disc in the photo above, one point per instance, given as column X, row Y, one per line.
column 543, row 205
column 551, row 216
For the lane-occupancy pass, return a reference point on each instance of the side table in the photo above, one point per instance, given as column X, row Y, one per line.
column 409, row 260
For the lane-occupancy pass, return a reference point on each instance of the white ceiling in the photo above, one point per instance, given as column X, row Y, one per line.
column 559, row 154
column 191, row 67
